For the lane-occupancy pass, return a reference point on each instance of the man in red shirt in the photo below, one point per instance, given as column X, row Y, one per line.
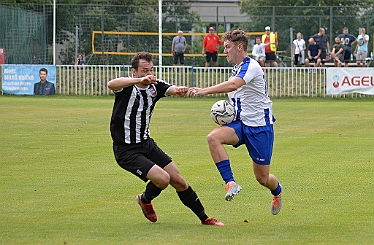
column 210, row 46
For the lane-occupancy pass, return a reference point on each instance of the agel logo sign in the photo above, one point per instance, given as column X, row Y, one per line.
column 341, row 80
column 353, row 81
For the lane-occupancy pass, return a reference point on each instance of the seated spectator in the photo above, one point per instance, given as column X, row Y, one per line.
column 337, row 53
column 314, row 53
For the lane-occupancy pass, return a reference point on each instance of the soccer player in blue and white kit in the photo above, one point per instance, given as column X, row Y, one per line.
column 253, row 125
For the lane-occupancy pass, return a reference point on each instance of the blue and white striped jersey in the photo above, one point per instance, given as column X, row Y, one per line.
column 252, row 103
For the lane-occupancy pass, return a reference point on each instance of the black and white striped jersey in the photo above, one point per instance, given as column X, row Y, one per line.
column 132, row 111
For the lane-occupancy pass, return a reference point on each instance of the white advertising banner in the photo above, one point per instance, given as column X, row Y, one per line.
column 340, row 80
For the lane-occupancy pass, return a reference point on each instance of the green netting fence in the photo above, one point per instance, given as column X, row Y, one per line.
column 23, row 36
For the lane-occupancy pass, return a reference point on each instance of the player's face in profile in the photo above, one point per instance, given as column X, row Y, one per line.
column 145, row 68
column 43, row 76
column 230, row 51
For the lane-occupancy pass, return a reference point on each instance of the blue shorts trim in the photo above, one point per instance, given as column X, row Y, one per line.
column 258, row 140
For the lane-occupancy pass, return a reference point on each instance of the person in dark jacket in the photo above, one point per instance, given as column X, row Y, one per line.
column 44, row 87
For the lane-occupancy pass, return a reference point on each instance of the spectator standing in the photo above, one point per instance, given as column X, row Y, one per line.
column 298, row 49
column 347, row 40
column 323, row 42
column 178, row 47
column 361, row 50
column 314, row 53
column 210, row 47
column 258, row 52
column 270, row 50
column 79, row 62
column 337, row 53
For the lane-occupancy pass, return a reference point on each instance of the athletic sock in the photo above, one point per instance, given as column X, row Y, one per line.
column 190, row 199
column 224, row 169
column 277, row 191
column 151, row 192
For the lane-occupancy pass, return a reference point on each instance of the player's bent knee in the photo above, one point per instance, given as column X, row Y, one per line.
column 162, row 183
column 179, row 183
column 211, row 137
column 262, row 181
column 159, row 177
column 214, row 138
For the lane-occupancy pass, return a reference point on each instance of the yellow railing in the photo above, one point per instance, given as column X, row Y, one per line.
column 94, row 33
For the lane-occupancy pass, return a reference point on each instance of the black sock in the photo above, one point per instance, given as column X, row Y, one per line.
column 190, row 199
column 151, row 192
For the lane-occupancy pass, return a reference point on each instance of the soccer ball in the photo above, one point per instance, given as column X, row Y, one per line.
column 222, row 112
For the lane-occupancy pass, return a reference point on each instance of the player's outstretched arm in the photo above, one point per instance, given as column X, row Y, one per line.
column 225, row 87
column 123, row 82
column 180, row 91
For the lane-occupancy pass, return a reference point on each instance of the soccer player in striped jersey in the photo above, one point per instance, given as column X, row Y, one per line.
column 134, row 149
column 253, row 126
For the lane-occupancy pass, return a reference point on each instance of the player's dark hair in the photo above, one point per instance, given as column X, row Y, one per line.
column 140, row 56
column 43, row 69
column 237, row 37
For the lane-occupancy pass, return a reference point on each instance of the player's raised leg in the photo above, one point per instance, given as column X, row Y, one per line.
column 216, row 140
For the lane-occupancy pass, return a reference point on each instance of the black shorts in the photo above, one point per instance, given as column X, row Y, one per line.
column 323, row 56
column 313, row 60
column 213, row 56
column 180, row 56
column 139, row 158
column 270, row 57
column 347, row 55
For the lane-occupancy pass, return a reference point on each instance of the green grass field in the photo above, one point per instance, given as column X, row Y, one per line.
column 60, row 184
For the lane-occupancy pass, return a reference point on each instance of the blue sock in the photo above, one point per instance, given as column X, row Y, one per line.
column 224, row 169
column 277, row 191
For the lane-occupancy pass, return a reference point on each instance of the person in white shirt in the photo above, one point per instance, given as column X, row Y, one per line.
column 253, row 125
column 362, row 48
column 258, row 51
column 298, row 49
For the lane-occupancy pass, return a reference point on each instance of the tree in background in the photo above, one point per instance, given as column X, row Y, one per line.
column 110, row 15
column 134, row 16
column 142, row 16
column 304, row 18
